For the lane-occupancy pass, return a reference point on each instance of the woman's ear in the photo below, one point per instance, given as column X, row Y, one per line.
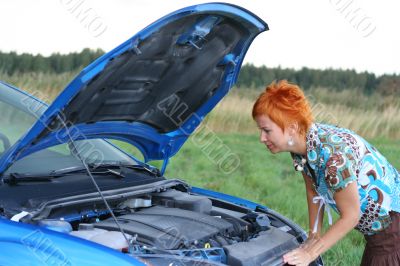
column 294, row 128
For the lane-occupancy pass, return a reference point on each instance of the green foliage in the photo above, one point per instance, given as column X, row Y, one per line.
column 258, row 77
column 250, row 76
column 260, row 177
column 269, row 180
column 12, row 62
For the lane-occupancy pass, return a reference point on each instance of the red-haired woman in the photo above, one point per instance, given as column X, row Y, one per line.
column 341, row 171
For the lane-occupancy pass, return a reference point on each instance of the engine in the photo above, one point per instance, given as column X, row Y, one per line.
column 177, row 223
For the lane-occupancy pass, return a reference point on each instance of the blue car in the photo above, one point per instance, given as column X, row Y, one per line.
column 70, row 196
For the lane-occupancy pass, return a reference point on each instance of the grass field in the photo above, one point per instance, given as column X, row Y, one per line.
column 261, row 177
column 370, row 116
column 269, row 180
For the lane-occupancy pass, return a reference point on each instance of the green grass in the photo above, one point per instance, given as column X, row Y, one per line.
column 261, row 177
column 269, row 180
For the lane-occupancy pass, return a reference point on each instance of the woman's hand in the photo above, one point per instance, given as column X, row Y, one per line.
column 306, row 253
column 299, row 256
column 348, row 205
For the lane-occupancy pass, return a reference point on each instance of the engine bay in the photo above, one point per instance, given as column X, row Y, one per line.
column 173, row 223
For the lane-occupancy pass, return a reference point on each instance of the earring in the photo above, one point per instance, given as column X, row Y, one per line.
column 290, row 141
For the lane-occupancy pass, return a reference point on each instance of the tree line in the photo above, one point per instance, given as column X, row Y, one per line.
column 338, row 79
column 13, row 63
column 250, row 76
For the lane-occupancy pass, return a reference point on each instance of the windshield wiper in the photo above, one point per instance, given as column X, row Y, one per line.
column 94, row 167
column 15, row 178
column 115, row 169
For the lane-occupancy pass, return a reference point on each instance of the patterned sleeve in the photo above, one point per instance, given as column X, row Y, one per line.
column 339, row 171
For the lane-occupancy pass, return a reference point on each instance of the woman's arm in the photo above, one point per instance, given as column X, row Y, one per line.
column 348, row 204
column 312, row 208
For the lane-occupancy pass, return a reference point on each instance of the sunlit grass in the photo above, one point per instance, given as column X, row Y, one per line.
column 371, row 117
column 269, row 180
column 45, row 86
column 261, row 177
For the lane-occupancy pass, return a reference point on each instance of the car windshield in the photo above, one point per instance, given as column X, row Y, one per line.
column 19, row 112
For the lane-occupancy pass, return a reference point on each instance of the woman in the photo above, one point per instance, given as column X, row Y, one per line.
column 341, row 171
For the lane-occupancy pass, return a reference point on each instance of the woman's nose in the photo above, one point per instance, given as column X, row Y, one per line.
column 263, row 136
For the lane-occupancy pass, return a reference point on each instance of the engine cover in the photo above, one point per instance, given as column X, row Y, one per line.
column 169, row 228
column 266, row 250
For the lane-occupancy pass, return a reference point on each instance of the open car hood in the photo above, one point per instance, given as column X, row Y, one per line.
column 154, row 89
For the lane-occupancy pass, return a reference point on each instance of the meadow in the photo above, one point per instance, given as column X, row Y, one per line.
column 261, row 177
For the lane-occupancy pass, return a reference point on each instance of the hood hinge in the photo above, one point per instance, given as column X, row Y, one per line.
column 166, row 159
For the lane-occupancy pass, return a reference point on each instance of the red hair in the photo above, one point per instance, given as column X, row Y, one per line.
column 284, row 103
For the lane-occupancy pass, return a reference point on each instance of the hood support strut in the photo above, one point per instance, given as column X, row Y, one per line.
column 76, row 152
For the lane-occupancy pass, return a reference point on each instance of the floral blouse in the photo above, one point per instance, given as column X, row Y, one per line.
column 337, row 157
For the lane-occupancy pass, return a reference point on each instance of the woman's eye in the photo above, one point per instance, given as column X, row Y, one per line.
column 266, row 130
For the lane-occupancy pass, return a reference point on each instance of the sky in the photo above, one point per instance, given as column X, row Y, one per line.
column 348, row 34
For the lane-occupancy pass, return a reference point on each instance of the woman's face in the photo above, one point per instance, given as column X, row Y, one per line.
column 272, row 135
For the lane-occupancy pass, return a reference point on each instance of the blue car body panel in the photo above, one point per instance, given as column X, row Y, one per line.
column 232, row 199
column 154, row 145
column 23, row 244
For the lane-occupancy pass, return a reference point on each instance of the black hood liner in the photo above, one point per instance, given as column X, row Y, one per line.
column 134, row 85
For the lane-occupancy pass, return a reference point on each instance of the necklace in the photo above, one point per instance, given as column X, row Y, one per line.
column 299, row 165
